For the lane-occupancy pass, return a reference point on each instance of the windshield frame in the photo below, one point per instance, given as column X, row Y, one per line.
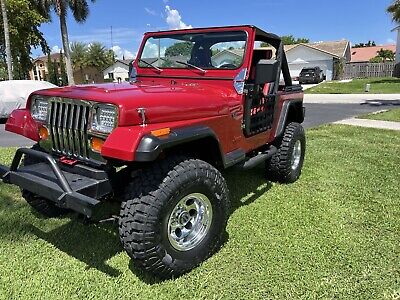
column 171, row 34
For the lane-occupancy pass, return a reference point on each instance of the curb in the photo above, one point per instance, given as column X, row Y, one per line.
column 372, row 99
column 370, row 123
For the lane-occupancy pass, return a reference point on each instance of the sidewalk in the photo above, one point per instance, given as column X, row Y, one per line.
column 350, row 98
column 370, row 123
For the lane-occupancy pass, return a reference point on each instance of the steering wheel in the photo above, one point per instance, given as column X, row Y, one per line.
column 228, row 66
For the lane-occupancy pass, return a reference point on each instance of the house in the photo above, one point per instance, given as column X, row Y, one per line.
column 85, row 75
column 39, row 71
column 326, row 55
column 228, row 56
column 88, row 75
column 119, row 71
column 364, row 54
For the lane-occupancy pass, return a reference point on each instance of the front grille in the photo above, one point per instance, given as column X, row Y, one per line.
column 68, row 126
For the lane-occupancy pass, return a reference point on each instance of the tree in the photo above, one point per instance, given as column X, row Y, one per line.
column 79, row 56
column 183, row 48
column 98, row 56
column 289, row 40
column 63, row 73
column 362, row 45
column 24, row 35
column 383, row 55
column 56, row 75
column 7, row 39
column 80, row 11
column 394, row 9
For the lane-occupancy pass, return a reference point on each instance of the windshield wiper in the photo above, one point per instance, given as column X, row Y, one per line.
column 190, row 65
column 186, row 64
column 150, row 64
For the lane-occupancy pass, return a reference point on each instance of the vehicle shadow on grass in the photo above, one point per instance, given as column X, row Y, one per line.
column 94, row 244
column 91, row 244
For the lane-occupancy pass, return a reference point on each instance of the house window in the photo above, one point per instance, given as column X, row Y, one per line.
column 111, row 76
column 41, row 66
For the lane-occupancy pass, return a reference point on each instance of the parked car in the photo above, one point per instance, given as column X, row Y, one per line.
column 14, row 94
column 311, row 75
column 158, row 143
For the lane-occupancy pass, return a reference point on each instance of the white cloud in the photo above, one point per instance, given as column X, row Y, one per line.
column 174, row 19
column 390, row 41
column 150, row 11
column 121, row 53
column 151, row 51
column 55, row 49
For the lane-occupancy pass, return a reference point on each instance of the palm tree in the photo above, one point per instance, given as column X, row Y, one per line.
column 80, row 11
column 394, row 9
column 98, row 56
column 7, row 39
column 79, row 55
column 386, row 55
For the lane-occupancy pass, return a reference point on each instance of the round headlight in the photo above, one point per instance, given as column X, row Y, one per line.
column 39, row 108
column 104, row 118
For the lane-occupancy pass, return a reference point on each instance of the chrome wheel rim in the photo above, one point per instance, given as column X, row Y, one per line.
column 189, row 221
column 296, row 155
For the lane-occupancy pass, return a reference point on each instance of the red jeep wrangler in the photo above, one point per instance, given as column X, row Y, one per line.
column 198, row 101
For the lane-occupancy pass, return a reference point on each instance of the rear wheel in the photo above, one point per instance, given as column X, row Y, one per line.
column 39, row 204
column 174, row 216
column 286, row 164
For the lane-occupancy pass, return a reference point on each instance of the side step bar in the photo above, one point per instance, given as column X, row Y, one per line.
column 258, row 159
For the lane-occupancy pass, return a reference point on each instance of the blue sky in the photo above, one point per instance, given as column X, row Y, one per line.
column 318, row 20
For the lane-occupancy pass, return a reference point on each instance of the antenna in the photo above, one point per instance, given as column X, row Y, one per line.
column 112, row 40
column 112, row 44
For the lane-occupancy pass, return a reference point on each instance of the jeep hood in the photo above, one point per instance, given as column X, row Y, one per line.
column 162, row 102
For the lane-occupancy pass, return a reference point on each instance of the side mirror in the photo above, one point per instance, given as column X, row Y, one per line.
column 132, row 75
column 266, row 71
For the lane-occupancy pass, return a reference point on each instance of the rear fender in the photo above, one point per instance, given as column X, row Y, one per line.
column 292, row 111
column 21, row 122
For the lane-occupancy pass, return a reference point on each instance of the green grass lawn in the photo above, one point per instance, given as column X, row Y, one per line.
column 391, row 115
column 333, row 234
column 387, row 85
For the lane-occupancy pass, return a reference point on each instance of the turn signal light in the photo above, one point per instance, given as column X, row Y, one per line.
column 161, row 132
column 96, row 144
column 43, row 133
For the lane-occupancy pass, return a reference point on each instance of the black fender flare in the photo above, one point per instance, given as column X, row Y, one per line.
column 150, row 147
column 284, row 114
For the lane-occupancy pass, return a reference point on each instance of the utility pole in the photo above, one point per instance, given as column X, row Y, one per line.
column 7, row 39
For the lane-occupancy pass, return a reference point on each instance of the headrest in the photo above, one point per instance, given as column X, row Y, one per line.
column 268, row 54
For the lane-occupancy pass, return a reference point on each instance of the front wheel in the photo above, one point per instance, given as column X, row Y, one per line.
column 174, row 215
column 286, row 164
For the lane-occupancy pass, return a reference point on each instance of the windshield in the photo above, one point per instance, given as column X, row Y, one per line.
column 308, row 70
column 213, row 50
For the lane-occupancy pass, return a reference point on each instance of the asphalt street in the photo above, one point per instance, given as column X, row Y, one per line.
column 316, row 114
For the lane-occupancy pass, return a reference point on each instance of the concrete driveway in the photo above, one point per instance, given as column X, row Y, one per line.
column 8, row 139
column 306, row 86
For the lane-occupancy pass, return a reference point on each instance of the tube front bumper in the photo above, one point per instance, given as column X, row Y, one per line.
column 77, row 188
